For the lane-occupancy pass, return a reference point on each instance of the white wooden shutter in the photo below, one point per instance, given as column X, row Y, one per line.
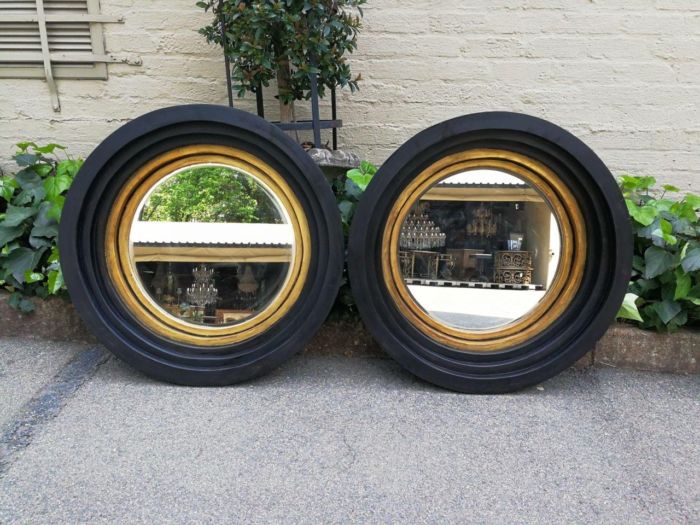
column 54, row 39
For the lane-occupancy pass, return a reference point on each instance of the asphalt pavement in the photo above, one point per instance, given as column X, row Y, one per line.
column 85, row 439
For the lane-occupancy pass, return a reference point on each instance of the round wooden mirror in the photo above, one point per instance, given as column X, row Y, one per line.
column 189, row 240
column 490, row 252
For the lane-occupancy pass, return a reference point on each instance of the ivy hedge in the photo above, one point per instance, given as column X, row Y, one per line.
column 664, row 290
column 31, row 201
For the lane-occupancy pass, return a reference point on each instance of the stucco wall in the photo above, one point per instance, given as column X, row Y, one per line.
column 624, row 75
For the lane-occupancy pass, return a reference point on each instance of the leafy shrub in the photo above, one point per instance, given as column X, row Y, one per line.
column 31, row 202
column 664, row 293
column 348, row 191
column 209, row 194
column 274, row 39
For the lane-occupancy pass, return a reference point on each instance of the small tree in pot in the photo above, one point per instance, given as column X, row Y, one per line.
column 286, row 40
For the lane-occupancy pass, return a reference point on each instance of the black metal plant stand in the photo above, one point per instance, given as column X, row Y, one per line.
column 316, row 124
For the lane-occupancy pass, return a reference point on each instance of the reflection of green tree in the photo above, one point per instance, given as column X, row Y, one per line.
column 210, row 194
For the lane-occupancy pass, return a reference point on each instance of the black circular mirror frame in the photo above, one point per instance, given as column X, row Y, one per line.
column 584, row 297
column 179, row 343
column 97, row 259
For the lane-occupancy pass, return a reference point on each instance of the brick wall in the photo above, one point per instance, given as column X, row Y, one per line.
column 624, row 75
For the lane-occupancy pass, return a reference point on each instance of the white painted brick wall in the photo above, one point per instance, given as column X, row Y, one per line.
column 624, row 75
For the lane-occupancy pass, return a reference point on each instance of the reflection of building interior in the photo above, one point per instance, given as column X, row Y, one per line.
column 480, row 228
column 212, row 273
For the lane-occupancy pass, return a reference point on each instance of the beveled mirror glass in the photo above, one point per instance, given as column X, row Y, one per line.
column 479, row 249
column 211, row 245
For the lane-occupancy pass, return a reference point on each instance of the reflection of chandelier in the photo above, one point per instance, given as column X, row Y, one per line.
column 420, row 233
column 483, row 223
column 202, row 291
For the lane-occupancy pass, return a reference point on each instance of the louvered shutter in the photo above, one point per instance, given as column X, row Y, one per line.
column 53, row 39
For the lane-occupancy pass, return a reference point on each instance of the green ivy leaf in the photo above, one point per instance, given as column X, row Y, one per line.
column 683, row 285
column 670, row 187
column 16, row 215
column 691, row 260
column 56, row 208
column 54, row 255
column 26, row 159
column 22, row 260
column 657, row 261
column 662, row 235
column 7, row 187
column 49, row 148
column 42, row 169
column 24, row 146
column 26, row 306
column 361, row 179
column 55, row 281
column 352, row 189
column 667, row 310
column 9, row 233
column 68, row 168
column 644, row 215
column 629, row 309
column 33, row 277
column 346, row 210
column 21, row 303
column 45, row 228
column 56, row 185
column 643, row 286
column 32, row 186
column 368, row 167
column 9, row 248
column 693, row 201
column 630, row 182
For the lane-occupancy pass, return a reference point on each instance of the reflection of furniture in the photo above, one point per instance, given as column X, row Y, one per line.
column 224, row 316
column 481, row 259
column 465, row 262
column 513, row 267
column 432, row 261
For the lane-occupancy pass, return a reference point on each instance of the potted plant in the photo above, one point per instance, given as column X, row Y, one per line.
column 286, row 41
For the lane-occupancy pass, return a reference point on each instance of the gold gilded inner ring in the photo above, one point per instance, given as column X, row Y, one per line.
column 569, row 270
column 122, row 270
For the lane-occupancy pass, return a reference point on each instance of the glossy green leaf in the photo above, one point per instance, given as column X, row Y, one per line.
column 16, row 215
column 55, row 282
column 26, row 159
column 33, row 277
column 629, row 309
column 667, row 310
column 68, row 168
column 657, row 261
column 9, row 233
column 683, row 284
column 691, row 260
column 7, row 187
column 644, row 215
column 49, row 148
column 361, row 179
column 21, row 260
column 54, row 186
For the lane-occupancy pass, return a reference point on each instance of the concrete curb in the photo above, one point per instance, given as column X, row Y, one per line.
column 623, row 346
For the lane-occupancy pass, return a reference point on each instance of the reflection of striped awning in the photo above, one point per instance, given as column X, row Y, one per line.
column 483, row 178
column 211, row 242
column 208, row 233
column 482, row 186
